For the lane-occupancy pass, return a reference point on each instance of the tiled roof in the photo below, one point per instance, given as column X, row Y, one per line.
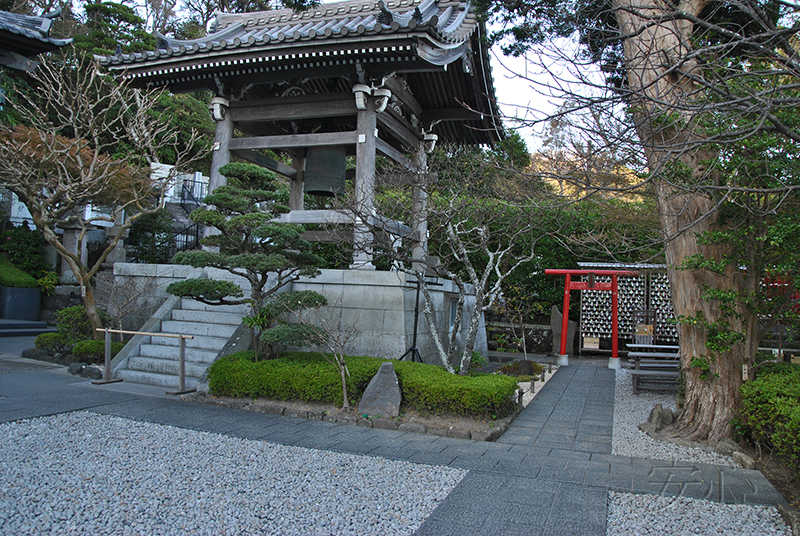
column 435, row 45
column 27, row 35
column 447, row 24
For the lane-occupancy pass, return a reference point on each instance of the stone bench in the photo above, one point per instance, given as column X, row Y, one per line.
column 654, row 379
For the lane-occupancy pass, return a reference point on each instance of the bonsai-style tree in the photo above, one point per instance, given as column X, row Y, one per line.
column 249, row 243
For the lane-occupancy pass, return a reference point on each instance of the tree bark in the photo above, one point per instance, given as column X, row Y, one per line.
column 659, row 80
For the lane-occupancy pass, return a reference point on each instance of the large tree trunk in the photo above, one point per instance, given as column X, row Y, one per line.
column 657, row 44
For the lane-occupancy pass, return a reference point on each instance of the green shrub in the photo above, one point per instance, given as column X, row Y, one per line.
column 770, row 413
column 11, row 276
column 94, row 351
column 74, row 323
column 308, row 377
column 25, row 248
column 54, row 343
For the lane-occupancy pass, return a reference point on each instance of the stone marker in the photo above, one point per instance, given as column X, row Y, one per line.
column 382, row 395
column 526, row 368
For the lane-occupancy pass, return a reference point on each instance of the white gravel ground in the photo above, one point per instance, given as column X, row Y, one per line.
column 630, row 514
column 82, row 473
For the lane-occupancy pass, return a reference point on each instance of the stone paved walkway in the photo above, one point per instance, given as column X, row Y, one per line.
column 549, row 474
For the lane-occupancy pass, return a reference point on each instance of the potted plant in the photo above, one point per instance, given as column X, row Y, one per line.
column 19, row 293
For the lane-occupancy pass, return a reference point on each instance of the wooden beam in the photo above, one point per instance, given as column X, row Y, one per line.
column 393, row 227
column 286, row 109
column 304, row 217
column 295, row 140
column 400, row 129
column 387, row 150
column 265, row 161
column 401, row 91
column 450, row 114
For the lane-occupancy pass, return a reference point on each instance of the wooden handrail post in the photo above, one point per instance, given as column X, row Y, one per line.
column 107, row 371
column 182, row 390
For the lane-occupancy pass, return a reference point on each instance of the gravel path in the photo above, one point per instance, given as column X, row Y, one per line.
column 630, row 514
column 83, row 473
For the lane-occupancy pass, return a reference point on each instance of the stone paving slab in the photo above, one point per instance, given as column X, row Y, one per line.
column 547, row 479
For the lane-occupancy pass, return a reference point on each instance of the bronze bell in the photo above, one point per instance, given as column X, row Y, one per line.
column 325, row 171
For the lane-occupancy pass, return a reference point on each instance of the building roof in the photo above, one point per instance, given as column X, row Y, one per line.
column 28, row 35
column 435, row 45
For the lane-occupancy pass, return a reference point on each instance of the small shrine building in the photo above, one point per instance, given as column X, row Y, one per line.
column 356, row 78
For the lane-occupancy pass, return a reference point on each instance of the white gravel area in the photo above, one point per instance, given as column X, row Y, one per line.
column 640, row 515
column 631, row 410
column 83, row 473
column 643, row 515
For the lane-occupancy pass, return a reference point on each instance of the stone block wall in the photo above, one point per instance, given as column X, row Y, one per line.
column 380, row 305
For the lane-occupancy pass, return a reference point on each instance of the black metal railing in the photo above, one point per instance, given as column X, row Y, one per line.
column 189, row 238
column 191, row 192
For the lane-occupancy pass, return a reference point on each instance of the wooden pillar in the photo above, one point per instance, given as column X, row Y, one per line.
column 296, row 187
column 364, row 186
column 221, row 154
column 419, row 209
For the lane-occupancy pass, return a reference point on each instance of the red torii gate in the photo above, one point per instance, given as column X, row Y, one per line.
column 569, row 284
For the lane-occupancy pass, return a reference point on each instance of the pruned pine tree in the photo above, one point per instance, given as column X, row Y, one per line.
column 248, row 242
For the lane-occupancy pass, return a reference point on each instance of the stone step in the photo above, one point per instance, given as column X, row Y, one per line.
column 151, row 378
column 196, row 328
column 194, row 305
column 165, row 366
column 207, row 317
column 27, row 332
column 199, row 341
column 163, row 351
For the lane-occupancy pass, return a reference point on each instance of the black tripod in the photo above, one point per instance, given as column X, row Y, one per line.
column 414, row 351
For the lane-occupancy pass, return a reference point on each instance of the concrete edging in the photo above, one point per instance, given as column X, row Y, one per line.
column 275, row 407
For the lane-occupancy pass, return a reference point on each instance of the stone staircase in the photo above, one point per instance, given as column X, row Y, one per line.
column 23, row 328
column 156, row 361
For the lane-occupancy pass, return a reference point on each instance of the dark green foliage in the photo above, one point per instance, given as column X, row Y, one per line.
column 11, row 276
column 205, row 290
column 150, row 238
column 770, row 413
column 94, row 351
column 250, row 243
column 25, row 249
column 309, row 377
column 74, row 323
column 53, row 343
column 273, row 330
column 187, row 112
column 109, row 24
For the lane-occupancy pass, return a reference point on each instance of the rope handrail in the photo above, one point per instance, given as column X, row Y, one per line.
column 126, row 332
column 181, row 357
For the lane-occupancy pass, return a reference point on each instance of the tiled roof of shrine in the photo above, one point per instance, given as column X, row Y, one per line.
column 436, row 45
column 447, row 25
column 28, row 35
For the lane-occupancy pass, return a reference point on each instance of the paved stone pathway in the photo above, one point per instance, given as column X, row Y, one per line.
column 549, row 474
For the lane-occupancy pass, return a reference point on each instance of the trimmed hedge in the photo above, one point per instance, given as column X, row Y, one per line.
column 54, row 343
column 94, row 351
column 308, row 377
column 11, row 276
column 74, row 322
column 771, row 411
